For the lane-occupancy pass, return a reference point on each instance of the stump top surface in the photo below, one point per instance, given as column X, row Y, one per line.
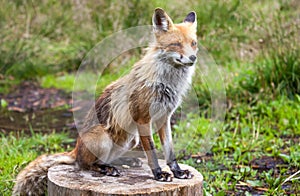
column 134, row 180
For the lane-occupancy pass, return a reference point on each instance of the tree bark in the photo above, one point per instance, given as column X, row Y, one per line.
column 68, row 180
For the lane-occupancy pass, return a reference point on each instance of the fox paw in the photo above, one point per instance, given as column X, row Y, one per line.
column 182, row 174
column 164, row 177
column 109, row 170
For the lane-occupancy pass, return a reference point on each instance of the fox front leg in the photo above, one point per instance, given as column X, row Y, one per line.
column 164, row 131
column 148, row 146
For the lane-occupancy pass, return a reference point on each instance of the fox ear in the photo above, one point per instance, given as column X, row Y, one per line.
column 191, row 18
column 161, row 21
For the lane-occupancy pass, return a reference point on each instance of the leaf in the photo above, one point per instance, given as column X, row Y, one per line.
column 254, row 183
column 4, row 103
column 221, row 193
column 285, row 157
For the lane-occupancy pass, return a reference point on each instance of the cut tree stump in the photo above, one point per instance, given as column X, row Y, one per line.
column 138, row 181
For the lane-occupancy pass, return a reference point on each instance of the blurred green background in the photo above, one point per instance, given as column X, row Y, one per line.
column 255, row 43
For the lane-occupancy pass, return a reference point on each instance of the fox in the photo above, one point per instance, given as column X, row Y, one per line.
column 129, row 109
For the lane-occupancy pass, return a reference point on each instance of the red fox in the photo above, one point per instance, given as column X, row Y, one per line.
column 148, row 95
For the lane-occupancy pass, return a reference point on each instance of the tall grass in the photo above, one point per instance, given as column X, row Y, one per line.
column 277, row 69
column 254, row 41
column 51, row 36
column 281, row 69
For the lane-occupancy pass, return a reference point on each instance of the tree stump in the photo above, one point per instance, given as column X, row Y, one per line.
column 138, row 181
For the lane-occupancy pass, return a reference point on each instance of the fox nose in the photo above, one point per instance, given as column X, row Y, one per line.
column 193, row 58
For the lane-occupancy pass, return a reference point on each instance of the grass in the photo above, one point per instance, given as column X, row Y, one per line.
column 249, row 133
column 17, row 150
column 40, row 40
column 254, row 44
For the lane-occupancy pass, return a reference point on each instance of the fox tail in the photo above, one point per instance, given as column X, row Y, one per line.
column 32, row 180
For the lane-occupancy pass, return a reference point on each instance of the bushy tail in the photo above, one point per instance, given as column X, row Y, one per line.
column 32, row 180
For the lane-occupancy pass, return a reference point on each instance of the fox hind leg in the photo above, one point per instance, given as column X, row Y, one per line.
column 106, row 169
column 93, row 151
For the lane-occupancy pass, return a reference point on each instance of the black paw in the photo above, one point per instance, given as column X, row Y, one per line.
column 164, row 177
column 182, row 174
column 109, row 170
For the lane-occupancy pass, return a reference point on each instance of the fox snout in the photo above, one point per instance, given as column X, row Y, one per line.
column 186, row 60
column 193, row 58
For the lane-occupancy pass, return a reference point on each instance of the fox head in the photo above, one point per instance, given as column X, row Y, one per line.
column 177, row 42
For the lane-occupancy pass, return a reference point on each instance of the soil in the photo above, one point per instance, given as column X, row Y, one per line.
column 31, row 107
column 29, row 96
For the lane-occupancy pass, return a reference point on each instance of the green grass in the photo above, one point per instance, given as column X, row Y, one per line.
column 66, row 81
column 267, row 129
column 50, row 36
column 18, row 149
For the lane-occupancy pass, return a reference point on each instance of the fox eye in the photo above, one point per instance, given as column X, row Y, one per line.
column 178, row 44
column 194, row 43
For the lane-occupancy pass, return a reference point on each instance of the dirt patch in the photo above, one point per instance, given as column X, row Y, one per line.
column 266, row 163
column 44, row 121
column 33, row 108
column 29, row 96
